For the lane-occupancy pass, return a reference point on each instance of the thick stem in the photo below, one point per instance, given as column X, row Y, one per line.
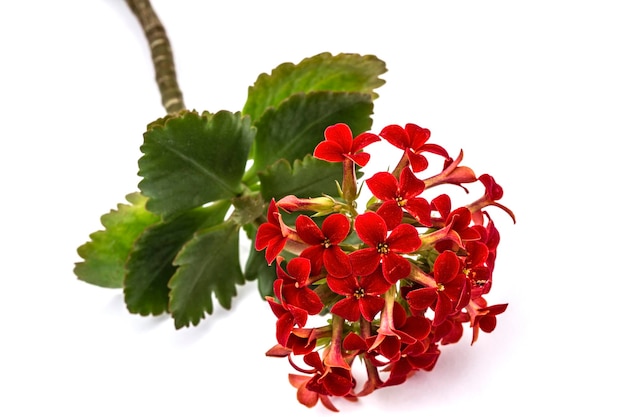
column 162, row 58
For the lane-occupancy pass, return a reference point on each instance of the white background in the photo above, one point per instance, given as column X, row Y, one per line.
column 533, row 91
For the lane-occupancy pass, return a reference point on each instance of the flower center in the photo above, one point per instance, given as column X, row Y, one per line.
column 359, row 293
column 440, row 287
column 382, row 248
column 400, row 201
column 326, row 243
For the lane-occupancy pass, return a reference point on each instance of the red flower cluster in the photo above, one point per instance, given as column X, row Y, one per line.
column 398, row 280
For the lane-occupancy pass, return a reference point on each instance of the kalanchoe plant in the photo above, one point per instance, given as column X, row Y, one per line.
column 395, row 281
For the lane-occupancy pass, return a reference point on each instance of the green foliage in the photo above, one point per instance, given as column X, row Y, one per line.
column 150, row 265
column 310, row 177
column 322, row 72
column 194, row 159
column 106, row 253
column 206, row 177
column 207, row 265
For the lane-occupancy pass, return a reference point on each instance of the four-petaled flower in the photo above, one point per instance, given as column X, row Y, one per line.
column 362, row 295
column 293, row 286
column 383, row 248
column 339, row 145
column 483, row 317
column 412, row 140
column 450, row 286
column 400, row 196
column 272, row 235
column 328, row 380
column 324, row 249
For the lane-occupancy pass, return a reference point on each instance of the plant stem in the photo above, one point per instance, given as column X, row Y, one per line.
column 162, row 58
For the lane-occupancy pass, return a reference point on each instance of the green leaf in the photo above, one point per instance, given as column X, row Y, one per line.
column 105, row 255
column 194, row 159
column 323, row 72
column 294, row 129
column 208, row 264
column 150, row 264
column 307, row 178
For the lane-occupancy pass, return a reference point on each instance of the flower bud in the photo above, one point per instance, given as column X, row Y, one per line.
column 320, row 205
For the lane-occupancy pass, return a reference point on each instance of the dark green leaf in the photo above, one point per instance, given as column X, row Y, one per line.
column 150, row 264
column 308, row 178
column 106, row 253
column 323, row 72
column 207, row 265
column 194, row 159
column 294, row 129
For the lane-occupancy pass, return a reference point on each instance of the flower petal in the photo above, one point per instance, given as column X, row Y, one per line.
column 417, row 135
column 409, row 185
column 300, row 269
column 329, row 152
column 447, row 266
column 363, row 140
column 364, row 261
column 404, row 239
column 395, row 267
column 308, row 230
column 348, row 308
column 418, row 161
column 391, row 213
column 396, row 135
column 343, row 286
column 370, row 305
column 421, row 298
column 383, row 185
column 420, row 209
column 335, row 228
column 371, row 228
column 341, row 134
column 360, row 158
column 337, row 262
column 375, row 283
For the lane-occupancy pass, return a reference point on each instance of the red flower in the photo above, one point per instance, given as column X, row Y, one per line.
column 292, row 287
column 325, row 250
column 288, row 316
column 476, row 269
column 490, row 237
column 399, row 196
column 412, row 140
column 328, row 380
column 451, row 330
column 484, row 318
column 362, row 295
column 299, row 341
column 307, row 397
column 493, row 192
column 417, row 356
column 339, row 145
column 451, row 287
column 397, row 330
column 270, row 234
column 372, row 230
